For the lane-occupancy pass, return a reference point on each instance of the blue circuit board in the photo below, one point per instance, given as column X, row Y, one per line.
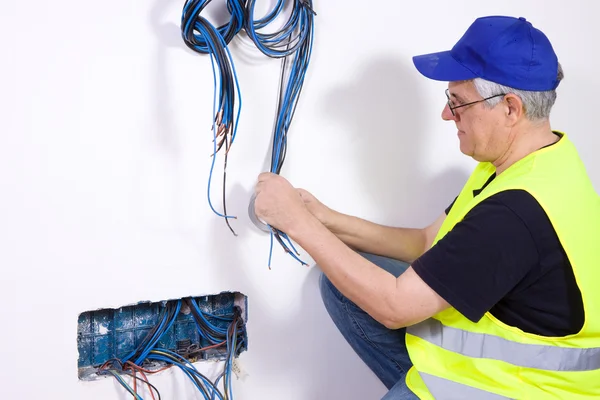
column 107, row 334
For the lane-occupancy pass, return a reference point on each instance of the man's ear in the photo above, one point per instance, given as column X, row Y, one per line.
column 513, row 108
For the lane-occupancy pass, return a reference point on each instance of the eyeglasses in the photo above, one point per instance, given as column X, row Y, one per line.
column 452, row 108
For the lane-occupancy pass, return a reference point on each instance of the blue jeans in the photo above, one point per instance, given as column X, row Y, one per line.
column 382, row 349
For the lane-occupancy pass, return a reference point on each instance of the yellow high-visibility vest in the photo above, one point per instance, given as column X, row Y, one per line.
column 457, row 359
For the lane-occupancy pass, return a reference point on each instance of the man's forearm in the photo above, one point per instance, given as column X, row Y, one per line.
column 368, row 286
column 406, row 244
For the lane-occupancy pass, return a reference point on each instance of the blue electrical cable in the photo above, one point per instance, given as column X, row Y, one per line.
column 125, row 385
column 231, row 347
column 149, row 349
column 211, row 326
column 202, row 37
column 159, row 329
column 191, row 373
column 157, row 336
column 293, row 40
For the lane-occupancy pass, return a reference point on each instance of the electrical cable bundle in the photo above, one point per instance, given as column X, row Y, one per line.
column 148, row 354
column 292, row 43
column 201, row 36
column 293, row 40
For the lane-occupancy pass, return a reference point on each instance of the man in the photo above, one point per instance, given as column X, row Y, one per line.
column 500, row 298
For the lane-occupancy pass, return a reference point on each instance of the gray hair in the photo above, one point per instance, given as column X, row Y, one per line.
column 537, row 105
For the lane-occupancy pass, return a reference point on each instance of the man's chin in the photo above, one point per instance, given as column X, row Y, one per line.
column 467, row 151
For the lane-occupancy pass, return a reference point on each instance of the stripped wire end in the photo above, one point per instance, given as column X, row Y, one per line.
column 293, row 252
column 224, row 133
column 229, row 225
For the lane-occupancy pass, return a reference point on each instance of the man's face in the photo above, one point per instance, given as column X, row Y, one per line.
column 481, row 130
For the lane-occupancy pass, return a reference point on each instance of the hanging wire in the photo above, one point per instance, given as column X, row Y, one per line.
column 203, row 37
column 292, row 43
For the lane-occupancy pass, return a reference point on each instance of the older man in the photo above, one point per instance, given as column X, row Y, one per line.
column 498, row 298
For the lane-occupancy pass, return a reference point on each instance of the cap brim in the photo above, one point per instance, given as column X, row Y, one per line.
column 442, row 67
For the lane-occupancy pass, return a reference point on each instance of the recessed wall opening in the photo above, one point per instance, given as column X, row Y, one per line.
column 156, row 335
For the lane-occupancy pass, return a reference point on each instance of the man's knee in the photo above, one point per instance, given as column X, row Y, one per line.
column 327, row 289
column 331, row 294
column 393, row 266
column 332, row 298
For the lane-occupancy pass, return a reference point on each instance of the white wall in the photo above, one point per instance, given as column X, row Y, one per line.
column 104, row 158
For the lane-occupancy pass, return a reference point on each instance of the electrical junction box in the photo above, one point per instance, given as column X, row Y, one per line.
column 109, row 334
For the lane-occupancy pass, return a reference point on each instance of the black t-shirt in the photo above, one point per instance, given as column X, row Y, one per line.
column 505, row 257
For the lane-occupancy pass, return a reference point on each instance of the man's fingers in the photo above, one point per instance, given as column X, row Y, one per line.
column 259, row 187
column 264, row 176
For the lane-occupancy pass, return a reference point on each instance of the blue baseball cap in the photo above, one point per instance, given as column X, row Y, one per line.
column 505, row 50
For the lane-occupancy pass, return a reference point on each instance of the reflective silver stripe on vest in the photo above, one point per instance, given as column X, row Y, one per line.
column 480, row 345
column 443, row 389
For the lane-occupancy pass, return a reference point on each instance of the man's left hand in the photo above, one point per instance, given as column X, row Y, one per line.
column 278, row 203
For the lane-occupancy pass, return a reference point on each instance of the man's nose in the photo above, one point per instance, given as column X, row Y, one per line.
column 447, row 114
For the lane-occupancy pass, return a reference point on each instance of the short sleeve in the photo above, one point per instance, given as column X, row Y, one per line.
column 480, row 260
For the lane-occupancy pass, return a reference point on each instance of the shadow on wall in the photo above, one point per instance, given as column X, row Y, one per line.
column 381, row 112
column 302, row 345
column 311, row 355
column 168, row 36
